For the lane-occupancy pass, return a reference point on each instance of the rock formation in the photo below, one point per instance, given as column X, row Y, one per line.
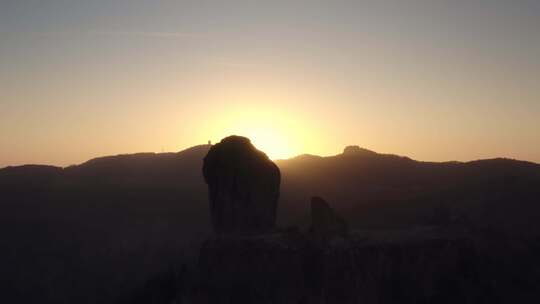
column 352, row 150
column 325, row 221
column 356, row 150
column 243, row 186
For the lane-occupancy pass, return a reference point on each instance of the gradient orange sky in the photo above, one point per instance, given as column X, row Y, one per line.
column 433, row 80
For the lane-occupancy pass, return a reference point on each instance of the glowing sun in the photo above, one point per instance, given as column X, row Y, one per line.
column 278, row 136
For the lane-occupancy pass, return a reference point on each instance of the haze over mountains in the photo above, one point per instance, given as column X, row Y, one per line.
column 103, row 227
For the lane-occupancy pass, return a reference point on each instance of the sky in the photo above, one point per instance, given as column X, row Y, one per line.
column 432, row 80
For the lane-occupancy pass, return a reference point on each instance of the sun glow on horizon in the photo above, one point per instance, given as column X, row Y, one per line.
column 279, row 135
column 275, row 145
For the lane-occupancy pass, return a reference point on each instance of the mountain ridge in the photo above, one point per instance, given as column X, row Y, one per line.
column 205, row 147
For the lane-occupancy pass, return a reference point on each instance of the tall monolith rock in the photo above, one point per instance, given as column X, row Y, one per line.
column 243, row 185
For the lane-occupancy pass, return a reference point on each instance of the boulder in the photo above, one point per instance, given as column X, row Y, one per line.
column 325, row 221
column 243, row 185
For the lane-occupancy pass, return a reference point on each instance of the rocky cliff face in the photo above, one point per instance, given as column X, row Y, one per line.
column 395, row 268
column 419, row 265
column 243, row 185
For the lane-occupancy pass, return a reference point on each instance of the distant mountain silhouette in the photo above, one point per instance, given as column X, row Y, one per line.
column 373, row 189
column 112, row 222
column 93, row 232
column 360, row 183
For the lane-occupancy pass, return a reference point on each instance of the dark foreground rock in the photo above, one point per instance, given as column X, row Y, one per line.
column 425, row 268
column 243, row 185
column 368, row 267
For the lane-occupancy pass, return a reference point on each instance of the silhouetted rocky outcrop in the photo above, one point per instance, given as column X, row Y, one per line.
column 356, row 150
column 325, row 221
column 243, row 186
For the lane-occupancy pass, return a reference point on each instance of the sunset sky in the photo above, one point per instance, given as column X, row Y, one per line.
column 433, row 80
